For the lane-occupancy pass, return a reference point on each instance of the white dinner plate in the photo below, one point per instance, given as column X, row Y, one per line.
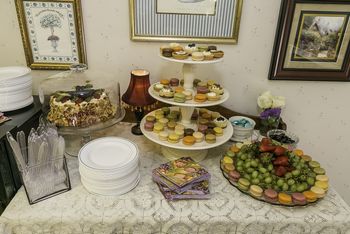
column 14, row 88
column 13, row 73
column 16, row 106
column 108, row 153
column 108, row 175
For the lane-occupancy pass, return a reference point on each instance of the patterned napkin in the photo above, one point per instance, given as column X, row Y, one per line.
column 3, row 118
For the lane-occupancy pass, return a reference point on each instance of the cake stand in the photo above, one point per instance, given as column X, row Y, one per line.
column 76, row 137
column 199, row 150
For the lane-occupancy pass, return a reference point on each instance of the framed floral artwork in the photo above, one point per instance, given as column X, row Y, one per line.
column 52, row 33
column 312, row 41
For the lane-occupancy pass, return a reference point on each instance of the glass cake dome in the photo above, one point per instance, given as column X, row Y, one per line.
column 80, row 98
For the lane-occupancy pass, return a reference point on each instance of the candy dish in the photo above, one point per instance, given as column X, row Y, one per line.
column 242, row 131
column 273, row 174
column 283, row 138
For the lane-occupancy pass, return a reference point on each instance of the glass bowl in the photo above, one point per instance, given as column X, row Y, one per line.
column 275, row 134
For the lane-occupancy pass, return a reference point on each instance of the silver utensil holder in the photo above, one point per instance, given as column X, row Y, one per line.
column 46, row 180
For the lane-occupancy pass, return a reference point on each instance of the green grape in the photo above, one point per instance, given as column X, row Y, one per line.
column 239, row 169
column 244, row 157
column 302, row 178
column 305, row 185
column 239, row 163
column 280, row 182
column 255, row 181
column 261, row 177
column 262, row 170
column 312, row 174
column 247, row 165
column 250, row 170
column 268, row 180
column 254, row 163
column 300, row 187
column 302, row 161
column 293, row 188
column 255, row 174
column 285, row 187
column 275, row 187
column 270, row 167
column 291, row 182
column 288, row 175
column 296, row 173
column 247, row 176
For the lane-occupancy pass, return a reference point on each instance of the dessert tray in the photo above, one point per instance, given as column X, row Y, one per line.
column 190, row 61
column 273, row 174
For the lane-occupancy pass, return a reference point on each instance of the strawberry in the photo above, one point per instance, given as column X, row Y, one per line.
column 281, row 161
column 267, row 148
column 280, row 171
column 266, row 141
column 279, row 150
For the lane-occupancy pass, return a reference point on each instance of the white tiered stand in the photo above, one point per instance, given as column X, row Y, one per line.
column 198, row 151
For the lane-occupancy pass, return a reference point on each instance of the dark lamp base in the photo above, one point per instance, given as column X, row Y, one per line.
column 136, row 130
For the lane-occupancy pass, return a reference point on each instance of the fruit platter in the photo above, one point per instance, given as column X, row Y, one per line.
column 274, row 174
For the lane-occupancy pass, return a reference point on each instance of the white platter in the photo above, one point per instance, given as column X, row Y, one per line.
column 17, row 105
column 190, row 61
column 13, row 73
column 108, row 153
column 197, row 146
column 188, row 103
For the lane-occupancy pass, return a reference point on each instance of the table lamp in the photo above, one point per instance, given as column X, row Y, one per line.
column 137, row 99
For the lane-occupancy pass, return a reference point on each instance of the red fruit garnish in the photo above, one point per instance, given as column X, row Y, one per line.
column 281, row 161
column 280, row 171
column 266, row 141
column 279, row 150
column 267, row 148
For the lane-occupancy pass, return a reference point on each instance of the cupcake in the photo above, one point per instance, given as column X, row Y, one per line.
column 216, row 88
column 213, row 96
column 157, row 87
column 190, row 48
column 221, row 122
column 166, row 92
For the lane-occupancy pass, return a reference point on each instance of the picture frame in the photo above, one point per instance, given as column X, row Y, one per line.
column 52, row 33
column 312, row 41
column 203, row 21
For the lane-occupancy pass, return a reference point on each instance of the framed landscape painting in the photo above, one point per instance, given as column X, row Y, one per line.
column 312, row 41
column 52, row 33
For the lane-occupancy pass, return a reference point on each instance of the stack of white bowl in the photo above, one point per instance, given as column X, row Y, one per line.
column 109, row 166
column 15, row 88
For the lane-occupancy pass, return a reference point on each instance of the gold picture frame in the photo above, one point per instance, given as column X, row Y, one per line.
column 37, row 18
column 229, row 34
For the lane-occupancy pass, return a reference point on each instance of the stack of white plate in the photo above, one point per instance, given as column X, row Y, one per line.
column 109, row 166
column 15, row 88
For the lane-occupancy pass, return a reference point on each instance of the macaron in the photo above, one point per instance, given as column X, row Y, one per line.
column 202, row 84
column 175, row 112
column 173, row 138
column 163, row 121
column 202, row 128
column 229, row 167
column 217, row 53
column 306, row 158
column 151, row 119
column 310, row 196
column 163, row 136
column 159, row 112
column 179, row 97
column 172, row 117
column 195, row 82
column 167, row 52
column 319, row 171
column 194, row 115
column 323, row 178
column 164, row 81
column 218, row 131
column 322, row 184
column 166, row 110
column 234, row 175
column 230, row 154
column 188, row 131
column 210, row 131
column 179, row 127
column 270, row 195
column 158, row 127
column 318, row 191
column 212, row 47
column 180, row 55
column 314, row 164
column 206, row 116
column 188, row 95
column 210, row 138
column 227, row 160
column 174, row 82
column 179, row 132
column 203, row 121
column 199, row 136
column 200, row 98
column 198, row 56
column 202, row 48
column 189, row 140
column 171, row 125
column 284, row 198
column 202, row 90
column 211, row 125
column 213, row 96
column 299, row 198
column 255, row 191
column 179, row 89
column 159, row 116
column 215, row 115
column 208, row 55
column 243, row 184
column 149, row 126
column 157, row 87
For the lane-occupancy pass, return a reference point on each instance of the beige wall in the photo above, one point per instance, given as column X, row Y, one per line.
column 316, row 111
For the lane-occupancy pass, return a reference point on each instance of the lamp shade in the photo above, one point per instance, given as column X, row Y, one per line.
column 137, row 93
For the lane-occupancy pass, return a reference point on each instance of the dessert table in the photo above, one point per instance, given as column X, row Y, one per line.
column 145, row 210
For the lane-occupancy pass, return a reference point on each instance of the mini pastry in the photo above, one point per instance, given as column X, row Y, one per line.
column 163, row 121
column 210, row 82
column 166, row 92
column 166, row 110
column 227, row 160
column 234, row 175
column 197, row 56
column 211, row 125
column 209, row 131
column 178, row 49
column 176, row 46
column 299, row 198
column 188, row 95
column 180, row 133
column 182, row 82
column 202, row 128
column 163, row 136
column 191, row 48
column 167, row 52
column 206, row 116
column 179, row 97
column 194, row 115
column 215, row 115
column 157, row 87
column 216, row 88
column 159, row 112
column 202, row 48
column 149, row 126
column 255, row 191
column 188, row 131
column 159, row 116
column 208, row 55
column 284, row 198
column 172, row 117
column 322, row 184
column 203, row 110
column 221, row 122
column 199, row 136
column 306, row 158
column 318, row 191
column 218, row 131
column 243, row 184
column 229, row 167
column 213, row 96
column 202, row 84
column 173, row 138
column 176, row 112
column 164, row 82
column 310, row 196
column 202, row 90
column 181, row 55
column 270, row 195
column 158, row 127
column 179, row 89
column 179, row 127
column 188, row 140
column 319, row 171
column 200, row 98
column 212, row 47
column 210, row 138
column 314, row 164
column 230, row 154
column 151, row 119
column 323, row 178
column 171, row 125
column 217, row 53
column 174, row 82
column 195, row 82
column 203, row 121
column 164, row 47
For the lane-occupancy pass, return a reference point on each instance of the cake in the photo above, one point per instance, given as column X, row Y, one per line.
column 80, row 108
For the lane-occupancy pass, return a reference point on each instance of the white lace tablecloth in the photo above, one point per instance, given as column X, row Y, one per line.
column 144, row 210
